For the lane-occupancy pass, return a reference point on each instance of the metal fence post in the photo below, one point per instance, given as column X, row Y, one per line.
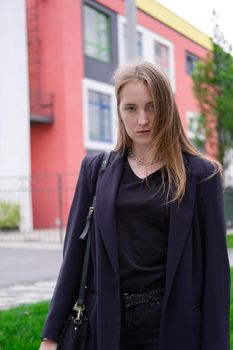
column 130, row 7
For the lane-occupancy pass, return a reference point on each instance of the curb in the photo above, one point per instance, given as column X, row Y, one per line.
column 32, row 245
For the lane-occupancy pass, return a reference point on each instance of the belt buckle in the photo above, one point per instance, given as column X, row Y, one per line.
column 127, row 299
column 124, row 295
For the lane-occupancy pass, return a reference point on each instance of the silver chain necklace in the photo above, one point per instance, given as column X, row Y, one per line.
column 140, row 161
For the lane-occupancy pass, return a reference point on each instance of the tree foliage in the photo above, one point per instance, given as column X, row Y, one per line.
column 213, row 88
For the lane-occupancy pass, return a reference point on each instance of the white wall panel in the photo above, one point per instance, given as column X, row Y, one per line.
column 14, row 102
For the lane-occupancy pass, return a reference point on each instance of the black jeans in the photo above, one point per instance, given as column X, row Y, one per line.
column 140, row 326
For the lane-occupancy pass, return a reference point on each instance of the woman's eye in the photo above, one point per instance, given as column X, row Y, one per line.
column 130, row 109
column 151, row 107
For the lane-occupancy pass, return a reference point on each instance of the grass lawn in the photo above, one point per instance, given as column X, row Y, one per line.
column 230, row 240
column 21, row 327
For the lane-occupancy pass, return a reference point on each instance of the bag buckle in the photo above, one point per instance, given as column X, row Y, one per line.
column 79, row 309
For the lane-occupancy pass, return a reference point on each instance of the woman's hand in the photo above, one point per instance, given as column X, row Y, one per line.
column 48, row 345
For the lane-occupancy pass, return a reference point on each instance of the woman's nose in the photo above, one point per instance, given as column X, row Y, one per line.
column 142, row 118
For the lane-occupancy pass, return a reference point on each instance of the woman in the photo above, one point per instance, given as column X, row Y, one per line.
column 159, row 273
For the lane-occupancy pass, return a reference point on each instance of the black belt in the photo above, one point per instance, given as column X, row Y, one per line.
column 130, row 299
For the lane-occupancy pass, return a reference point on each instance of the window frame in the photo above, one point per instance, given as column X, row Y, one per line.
column 190, row 133
column 161, row 63
column 108, row 35
column 100, row 87
column 194, row 59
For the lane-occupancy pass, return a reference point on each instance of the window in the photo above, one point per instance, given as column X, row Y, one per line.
column 139, row 42
column 190, row 62
column 99, row 115
column 196, row 134
column 96, row 34
column 162, row 56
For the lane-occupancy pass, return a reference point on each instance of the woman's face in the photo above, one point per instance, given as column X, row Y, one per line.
column 137, row 112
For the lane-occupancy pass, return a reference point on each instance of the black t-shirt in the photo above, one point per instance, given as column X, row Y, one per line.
column 142, row 226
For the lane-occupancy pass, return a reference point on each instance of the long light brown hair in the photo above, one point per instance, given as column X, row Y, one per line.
column 170, row 140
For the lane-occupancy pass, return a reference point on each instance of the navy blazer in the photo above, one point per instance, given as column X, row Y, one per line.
column 195, row 314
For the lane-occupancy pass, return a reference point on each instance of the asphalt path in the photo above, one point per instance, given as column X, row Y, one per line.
column 27, row 266
column 27, row 275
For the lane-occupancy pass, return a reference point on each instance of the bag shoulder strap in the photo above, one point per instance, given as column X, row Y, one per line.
column 86, row 233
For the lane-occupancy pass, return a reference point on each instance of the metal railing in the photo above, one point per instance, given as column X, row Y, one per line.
column 35, row 209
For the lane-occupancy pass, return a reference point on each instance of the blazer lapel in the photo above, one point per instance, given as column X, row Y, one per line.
column 107, row 186
column 179, row 228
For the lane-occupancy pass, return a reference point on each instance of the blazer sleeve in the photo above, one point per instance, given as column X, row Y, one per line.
column 67, row 285
column 216, row 288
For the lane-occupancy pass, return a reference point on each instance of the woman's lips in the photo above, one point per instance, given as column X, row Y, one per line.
column 143, row 132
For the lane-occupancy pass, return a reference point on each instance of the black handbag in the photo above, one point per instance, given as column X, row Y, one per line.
column 75, row 331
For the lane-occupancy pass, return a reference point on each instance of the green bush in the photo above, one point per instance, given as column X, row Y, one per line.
column 9, row 216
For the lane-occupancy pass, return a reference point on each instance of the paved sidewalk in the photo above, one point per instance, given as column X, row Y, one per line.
column 25, row 294
column 21, row 266
column 28, row 274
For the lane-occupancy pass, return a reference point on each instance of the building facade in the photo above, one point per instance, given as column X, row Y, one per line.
column 71, row 62
column 73, row 49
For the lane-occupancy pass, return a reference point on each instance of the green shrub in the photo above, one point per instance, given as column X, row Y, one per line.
column 9, row 216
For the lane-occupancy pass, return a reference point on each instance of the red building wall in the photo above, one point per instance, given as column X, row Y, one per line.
column 56, row 69
column 58, row 148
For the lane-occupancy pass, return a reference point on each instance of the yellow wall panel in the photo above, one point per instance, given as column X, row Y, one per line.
column 161, row 13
